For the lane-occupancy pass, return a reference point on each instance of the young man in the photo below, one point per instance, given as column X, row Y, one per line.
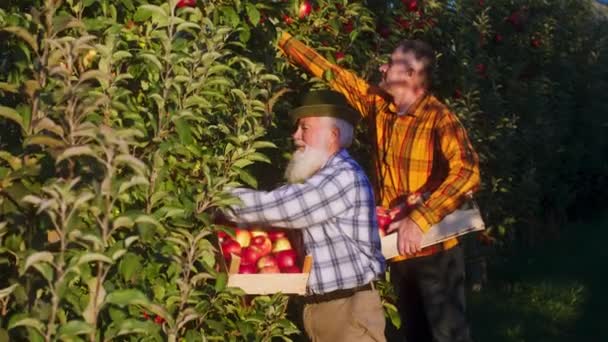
column 331, row 200
column 421, row 148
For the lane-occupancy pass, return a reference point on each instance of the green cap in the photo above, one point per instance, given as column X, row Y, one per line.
column 325, row 103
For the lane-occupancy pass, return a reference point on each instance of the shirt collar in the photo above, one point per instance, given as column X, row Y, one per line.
column 414, row 110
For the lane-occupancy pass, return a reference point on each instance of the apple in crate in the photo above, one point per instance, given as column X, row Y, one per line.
column 274, row 235
column 243, row 237
column 266, row 261
column 247, row 268
column 291, row 269
column 258, row 232
column 270, row 269
column 262, row 243
column 286, row 258
column 230, row 247
column 281, row 244
column 250, row 255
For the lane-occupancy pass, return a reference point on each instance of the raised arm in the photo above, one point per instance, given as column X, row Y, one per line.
column 463, row 175
column 357, row 91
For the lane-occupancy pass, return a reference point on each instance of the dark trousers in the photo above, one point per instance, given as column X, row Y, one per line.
column 431, row 298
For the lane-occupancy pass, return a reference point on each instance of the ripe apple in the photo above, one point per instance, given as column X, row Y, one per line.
column 221, row 236
column 383, row 220
column 266, row 261
column 286, row 258
column 258, row 232
column 186, row 3
column 291, row 269
column 247, row 268
column 273, row 235
column 281, row 244
column 230, row 247
column 263, row 244
column 270, row 269
column 243, row 237
column 250, row 255
column 305, row 8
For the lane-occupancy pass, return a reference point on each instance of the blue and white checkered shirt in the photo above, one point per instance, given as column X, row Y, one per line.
column 336, row 210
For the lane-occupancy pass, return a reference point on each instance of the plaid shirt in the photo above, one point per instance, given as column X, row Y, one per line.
column 425, row 150
column 335, row 209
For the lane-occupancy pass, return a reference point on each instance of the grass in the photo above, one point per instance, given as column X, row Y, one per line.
column 555, row 292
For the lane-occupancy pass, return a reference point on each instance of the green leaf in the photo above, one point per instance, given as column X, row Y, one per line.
column 23, row 34
column 89, row 257
column 263, row 144
column 44, row 140
column 127, row 297
column 144, row 12
column 129, row 266
column 152, row 59
column 8, row 87
column 247, row 178
column 231, row 17
column 27, row 322
column 131, row 326
column 252, row 13
column 123, row 221
column 37, row 258
column 75, row 328
column 221, row 281
column 11, row 114
column 5, row 292
column 183, row 130
column 75, row 151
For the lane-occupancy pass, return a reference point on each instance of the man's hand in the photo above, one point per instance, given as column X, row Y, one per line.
column 409, row 235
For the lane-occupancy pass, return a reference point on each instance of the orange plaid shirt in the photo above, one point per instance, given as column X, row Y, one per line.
column 425, row 150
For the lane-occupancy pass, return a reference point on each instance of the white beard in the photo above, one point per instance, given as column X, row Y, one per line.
column 304, row 164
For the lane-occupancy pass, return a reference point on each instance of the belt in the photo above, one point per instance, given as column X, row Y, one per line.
column 334, row 295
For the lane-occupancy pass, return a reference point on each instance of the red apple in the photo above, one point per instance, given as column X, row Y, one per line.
column 221, row 236
column 411, row 5
column 267, row 261
column 270, row 269
column 247, row 268
column 273, row 235
column 243, row 237
column 339, row 55
column 286, row 258
column 305, row 8
column 291, row 269
column 230, row 247
column 186, row 3
column 250, row 255
column 383, row 220
column 263, row 244
column 281, row 244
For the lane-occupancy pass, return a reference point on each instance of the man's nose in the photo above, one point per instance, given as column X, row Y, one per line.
column 383, row 67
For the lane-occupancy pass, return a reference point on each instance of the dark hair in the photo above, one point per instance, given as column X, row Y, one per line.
column 422, row 51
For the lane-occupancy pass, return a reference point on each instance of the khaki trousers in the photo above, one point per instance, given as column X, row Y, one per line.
column 353, row 319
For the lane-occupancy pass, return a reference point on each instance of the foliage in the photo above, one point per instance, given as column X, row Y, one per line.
column 128, row 124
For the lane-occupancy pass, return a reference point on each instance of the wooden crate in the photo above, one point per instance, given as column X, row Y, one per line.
column 457, row 223
column 269, row 283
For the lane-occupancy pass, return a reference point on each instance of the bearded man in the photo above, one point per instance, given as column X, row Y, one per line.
column 330, row 199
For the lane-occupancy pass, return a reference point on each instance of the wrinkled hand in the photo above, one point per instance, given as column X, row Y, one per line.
column 409, row 235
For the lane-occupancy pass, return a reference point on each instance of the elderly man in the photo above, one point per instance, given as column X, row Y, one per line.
column 421, row 148
column 330, row 199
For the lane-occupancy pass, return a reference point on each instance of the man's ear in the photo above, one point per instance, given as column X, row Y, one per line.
column 335, row 134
